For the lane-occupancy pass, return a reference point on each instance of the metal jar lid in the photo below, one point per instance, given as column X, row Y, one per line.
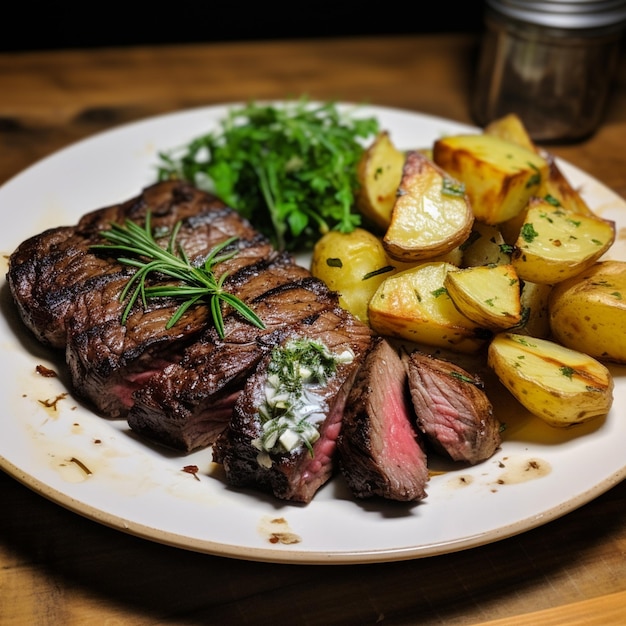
column 570, row 14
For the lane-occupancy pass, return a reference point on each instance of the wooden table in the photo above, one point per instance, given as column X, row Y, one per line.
column 57, row 567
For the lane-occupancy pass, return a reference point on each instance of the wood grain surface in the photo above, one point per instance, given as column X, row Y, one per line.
column 57, row 567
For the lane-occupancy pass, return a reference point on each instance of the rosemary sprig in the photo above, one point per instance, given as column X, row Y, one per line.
column 195, row 282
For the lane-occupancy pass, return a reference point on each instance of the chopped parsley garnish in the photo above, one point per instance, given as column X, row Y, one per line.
column 528, row 233
column 450, row 187
column 378, row 272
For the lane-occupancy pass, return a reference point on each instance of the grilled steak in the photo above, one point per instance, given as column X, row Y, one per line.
column 380, row 450
column 294, row 474
column 68, row 295
column 452, row 409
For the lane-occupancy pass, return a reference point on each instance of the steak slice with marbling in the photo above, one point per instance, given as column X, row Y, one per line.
column 381, row 452
column 452, row 408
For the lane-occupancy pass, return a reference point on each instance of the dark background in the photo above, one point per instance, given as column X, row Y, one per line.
column 53, row 26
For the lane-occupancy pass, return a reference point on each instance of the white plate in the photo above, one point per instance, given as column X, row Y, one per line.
column 540, row 473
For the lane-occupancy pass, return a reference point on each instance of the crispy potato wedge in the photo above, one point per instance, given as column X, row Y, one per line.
column 379, row 173
column 487, row 294
column 563, row 387
column 353, row 264
column 430, row 217
column 499, row 176
column 485, row 246
column 511, row 128
column 554, row 245
column 588, row 312
column 414, row 305
column 556, row 185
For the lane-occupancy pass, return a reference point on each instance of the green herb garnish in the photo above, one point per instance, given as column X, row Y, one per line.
column 528, row 233
column 450, row 187
column 291, row 411
column 462, row 377
column 378, row 272
column 195, row 282
column 291, row 169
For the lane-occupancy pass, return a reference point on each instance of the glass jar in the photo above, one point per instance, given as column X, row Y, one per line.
column 551, row 61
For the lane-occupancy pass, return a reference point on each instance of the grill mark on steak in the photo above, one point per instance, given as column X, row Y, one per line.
column 101, row 350
column 50, row 271
column 297, row 475
column 381, row 453
column 453, row 411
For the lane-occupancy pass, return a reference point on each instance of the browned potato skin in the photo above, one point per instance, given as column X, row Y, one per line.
column 554, row 245
column 557, row 186
column 561, row 386
column 414, row 305
column 426, row 222
column 487, row 294
column 588, row 312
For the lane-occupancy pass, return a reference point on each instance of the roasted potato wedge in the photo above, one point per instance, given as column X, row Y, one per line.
column 353, row 264
column 561, row 386
column 499, row 176
column 487, row 294
column 430, row 216
column 588, row 312
column 415, row 305
column 379, row 173
column 554, row 245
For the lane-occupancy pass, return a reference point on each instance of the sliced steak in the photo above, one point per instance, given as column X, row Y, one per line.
column 452, row 409
column 380, row 451
column 294, row 474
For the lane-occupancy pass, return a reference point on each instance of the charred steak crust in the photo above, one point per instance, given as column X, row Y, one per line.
column 381, row 452
column 453, row 410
